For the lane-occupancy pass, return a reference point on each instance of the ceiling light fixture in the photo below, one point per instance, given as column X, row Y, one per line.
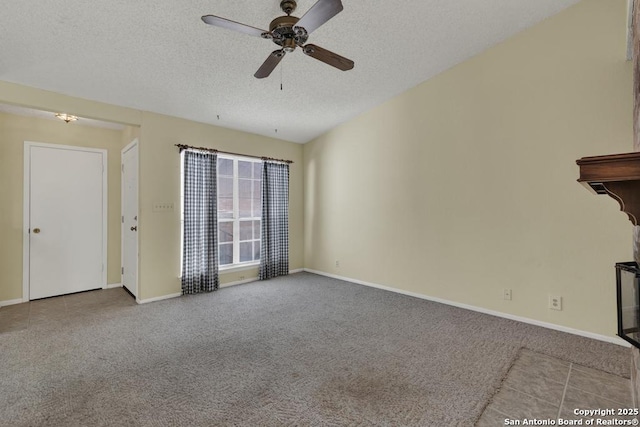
column 66, row 117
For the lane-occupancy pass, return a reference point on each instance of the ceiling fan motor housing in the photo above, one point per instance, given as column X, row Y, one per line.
column 281, row 31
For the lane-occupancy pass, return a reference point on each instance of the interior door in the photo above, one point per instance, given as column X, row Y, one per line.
column 130, row 218
column 66, row 220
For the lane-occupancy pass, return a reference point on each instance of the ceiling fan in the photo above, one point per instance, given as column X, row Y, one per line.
column 290, row 32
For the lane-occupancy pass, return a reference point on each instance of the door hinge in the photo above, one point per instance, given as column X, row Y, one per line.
column 123, row 219
column 122, row 167
column 103, row 267
column 122, row 270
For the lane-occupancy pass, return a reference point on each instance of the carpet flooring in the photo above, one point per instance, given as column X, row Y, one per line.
column 302, row 350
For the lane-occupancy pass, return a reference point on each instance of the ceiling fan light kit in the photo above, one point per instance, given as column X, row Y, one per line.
column 290, row 32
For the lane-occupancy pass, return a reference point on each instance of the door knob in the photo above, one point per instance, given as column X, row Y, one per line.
column 36, row 230
column 134, row 228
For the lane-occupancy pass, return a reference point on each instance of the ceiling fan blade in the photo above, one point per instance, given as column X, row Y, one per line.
column 319, row 13
column 216, row 21
column 328, row 57
column 270, row 64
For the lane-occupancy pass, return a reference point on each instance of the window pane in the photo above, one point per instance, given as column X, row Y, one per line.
column 225, row 231
column 244, row 188
column 256, row 229
column 225, row 208
column 256, row 250
column 246, row 229
column 244, row 194
column 257, row 170
column 225, row 167
column 257, row 202
column 225, row 197
column 226, row 253
column 225, row 187
column 245, row 208
column 244, row 169
column 246, row 251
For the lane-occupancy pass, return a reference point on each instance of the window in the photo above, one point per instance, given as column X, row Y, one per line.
column 239, row 210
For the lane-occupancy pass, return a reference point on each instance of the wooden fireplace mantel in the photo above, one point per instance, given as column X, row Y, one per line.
column 617, row 175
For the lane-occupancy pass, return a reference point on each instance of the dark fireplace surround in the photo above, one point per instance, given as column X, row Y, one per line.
column 628, row 294
column 618, row 176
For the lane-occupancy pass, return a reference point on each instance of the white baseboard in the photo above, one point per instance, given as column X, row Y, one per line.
column 239, row 282
column 154, row 299
column 225, row 285
column 11, row 302
column 612, row 340
column 113, row 285
column 253, row 279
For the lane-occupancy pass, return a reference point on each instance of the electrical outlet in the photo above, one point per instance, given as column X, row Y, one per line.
column 337, row 263
column 507, row 294
column 555, row 302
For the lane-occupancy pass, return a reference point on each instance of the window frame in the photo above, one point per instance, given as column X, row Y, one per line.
column 239, row 265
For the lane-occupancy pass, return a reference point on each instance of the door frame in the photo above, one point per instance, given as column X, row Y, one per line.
column 124, row 150
column 26, row 209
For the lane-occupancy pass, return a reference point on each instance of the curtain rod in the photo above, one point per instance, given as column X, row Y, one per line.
column 213, row 150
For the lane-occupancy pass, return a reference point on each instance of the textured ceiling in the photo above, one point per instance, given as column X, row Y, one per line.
column 159, row 56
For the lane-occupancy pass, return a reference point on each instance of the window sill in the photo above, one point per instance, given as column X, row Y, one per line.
column 235, row 268
column 241, row 267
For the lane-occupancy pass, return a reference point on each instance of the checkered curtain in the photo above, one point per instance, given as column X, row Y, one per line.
column 274, row 249
column 200, row 234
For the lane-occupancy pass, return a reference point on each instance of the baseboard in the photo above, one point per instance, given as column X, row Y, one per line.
column 113, row 285
column 239, row 282
column 253, row 279
column 612, row 340
column 11, row 302
column 225, row 285
column 154, row 299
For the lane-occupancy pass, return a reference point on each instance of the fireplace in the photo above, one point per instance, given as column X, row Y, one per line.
column 628, row 293
column 618, row 176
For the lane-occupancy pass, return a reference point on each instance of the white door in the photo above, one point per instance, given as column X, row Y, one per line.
column 130, row 217
column 67, row 228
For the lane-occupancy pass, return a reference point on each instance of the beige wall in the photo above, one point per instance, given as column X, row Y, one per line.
column 14, row 130
column 466, row 184
column 159, row 262
column 129, row 134
column 160, row 182
column 457, row 189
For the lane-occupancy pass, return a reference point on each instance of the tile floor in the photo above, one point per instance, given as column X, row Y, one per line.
column 546, row 388
column 61, row 309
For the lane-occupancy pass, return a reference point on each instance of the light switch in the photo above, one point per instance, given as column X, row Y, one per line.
column 163, row 207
